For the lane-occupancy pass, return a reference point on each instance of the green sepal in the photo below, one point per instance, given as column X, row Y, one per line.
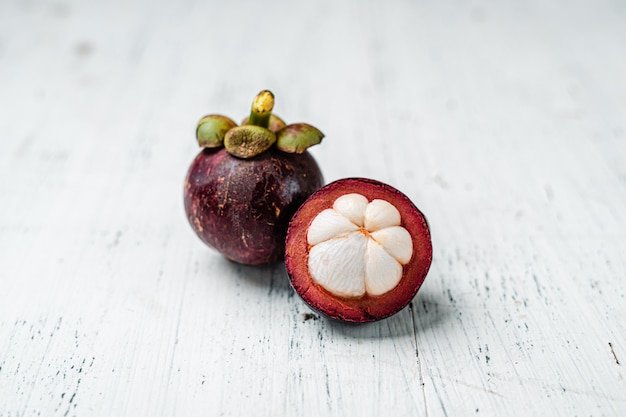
column 276, row 123
column 212, row 129
column 248, row 141
column 297, row 137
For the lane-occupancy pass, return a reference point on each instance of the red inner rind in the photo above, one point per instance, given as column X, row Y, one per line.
column 367, row 308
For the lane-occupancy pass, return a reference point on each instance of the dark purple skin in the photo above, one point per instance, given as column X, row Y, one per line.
column 242, row 207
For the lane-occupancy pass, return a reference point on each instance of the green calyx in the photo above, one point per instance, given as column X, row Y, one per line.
column 297, row 138
column 258, row 132
column 212, row 129
column 248, row 141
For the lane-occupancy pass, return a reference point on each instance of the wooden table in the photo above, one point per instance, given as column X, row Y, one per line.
column 505, row 122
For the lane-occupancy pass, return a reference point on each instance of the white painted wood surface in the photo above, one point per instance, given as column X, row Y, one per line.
column 505, row 122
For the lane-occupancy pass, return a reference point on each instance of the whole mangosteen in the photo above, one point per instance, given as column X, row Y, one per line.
column 243, row 188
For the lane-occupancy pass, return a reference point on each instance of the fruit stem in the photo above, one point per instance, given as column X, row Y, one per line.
column 262, row 109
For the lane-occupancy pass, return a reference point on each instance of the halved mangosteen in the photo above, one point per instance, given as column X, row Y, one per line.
column 358, row 250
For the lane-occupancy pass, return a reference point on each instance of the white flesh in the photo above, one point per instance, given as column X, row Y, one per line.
column 358, row 247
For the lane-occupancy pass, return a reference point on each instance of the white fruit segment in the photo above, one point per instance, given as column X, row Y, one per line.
column 380, row 214
column 329, row 224
column 334, row 260
column 358, row 247
column 352, row 206
column 382, row 271
column 397, row 241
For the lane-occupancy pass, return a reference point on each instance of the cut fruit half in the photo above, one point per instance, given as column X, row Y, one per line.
column 358, row 250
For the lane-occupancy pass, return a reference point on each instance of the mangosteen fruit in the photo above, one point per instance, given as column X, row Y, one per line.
column 358, row 250
column 246, row 183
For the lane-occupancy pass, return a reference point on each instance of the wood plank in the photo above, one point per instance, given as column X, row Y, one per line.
column 505, row 123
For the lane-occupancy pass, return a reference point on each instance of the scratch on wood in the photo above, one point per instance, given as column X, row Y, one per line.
column 537, row 285
column 116, row 240
column 613, row 353
column 417, row 357
column 468, row 385
column 309, row 316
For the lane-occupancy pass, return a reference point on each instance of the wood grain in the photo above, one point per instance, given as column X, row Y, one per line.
column 504, row 122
